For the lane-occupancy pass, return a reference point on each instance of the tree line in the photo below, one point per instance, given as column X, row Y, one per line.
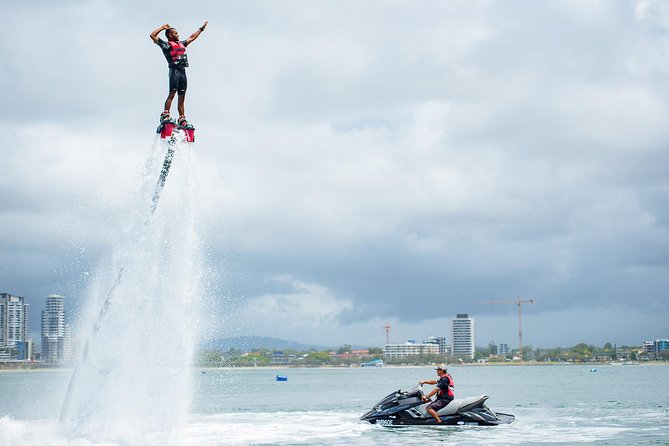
column 342, row 356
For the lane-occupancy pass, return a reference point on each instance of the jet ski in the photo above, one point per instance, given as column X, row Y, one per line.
column 407, row 408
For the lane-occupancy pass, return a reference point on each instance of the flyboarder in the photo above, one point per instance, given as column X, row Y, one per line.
column 175, row 53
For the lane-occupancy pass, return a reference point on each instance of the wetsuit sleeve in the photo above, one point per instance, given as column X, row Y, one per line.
column 185, row 42
column 162, row 44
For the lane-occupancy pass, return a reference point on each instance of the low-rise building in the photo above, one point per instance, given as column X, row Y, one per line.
column 444, row 348
column 649, row 348
column 281, row 358
column 24, row 350
column 373, row 363
column 391, row 351
column 359, row 353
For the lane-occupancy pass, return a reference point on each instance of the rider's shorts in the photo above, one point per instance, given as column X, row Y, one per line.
column 178, row 81
column 439, row 404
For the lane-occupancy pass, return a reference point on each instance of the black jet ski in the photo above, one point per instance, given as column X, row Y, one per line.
column 406, row 408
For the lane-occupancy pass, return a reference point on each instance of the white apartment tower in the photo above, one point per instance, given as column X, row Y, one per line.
column 53, row 329
column 13, row 320
column 462, row 336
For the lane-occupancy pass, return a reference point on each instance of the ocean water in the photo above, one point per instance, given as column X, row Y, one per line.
column 616, row 405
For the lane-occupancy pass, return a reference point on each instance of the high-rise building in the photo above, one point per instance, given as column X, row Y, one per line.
column 13, row 320
column 503, row 349
column 54, row 331
column 462, row 336
column 68, row 345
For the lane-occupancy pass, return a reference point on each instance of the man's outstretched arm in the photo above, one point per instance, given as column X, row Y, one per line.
column 154, row 34
column 196, row 34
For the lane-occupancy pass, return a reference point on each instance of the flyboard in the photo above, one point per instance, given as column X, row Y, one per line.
column 173, row 134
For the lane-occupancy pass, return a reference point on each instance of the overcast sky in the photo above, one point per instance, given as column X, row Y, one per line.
column 360, row 162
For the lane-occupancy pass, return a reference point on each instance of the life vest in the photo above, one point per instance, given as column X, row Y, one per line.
column 450, row 393
column 177, row 52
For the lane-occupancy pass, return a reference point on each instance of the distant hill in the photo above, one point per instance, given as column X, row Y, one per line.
column 248, row 343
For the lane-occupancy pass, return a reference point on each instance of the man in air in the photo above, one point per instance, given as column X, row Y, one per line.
column 175, row 53
column 443, row 390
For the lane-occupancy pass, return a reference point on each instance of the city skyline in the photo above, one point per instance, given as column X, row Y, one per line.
column 407, row 334
column 54, row 342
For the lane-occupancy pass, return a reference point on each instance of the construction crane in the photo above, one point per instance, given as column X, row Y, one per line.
column 519, row 303
column 387, row 330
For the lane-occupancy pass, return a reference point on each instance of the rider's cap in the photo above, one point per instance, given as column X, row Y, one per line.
column 440, row 367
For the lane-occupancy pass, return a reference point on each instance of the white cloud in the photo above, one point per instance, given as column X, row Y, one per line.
column 304, row 307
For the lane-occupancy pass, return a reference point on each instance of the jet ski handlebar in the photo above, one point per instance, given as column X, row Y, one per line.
column 416, row 391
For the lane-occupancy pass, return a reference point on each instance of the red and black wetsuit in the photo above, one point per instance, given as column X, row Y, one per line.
column 177, row 60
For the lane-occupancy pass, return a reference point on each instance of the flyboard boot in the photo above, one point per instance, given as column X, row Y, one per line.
column 167, row 125
column 188, row 128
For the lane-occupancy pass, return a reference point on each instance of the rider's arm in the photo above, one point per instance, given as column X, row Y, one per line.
column 154, row 34
column 196, row 34
column 429, row 381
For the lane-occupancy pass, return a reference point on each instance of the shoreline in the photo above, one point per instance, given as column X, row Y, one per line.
column 389, row 366
column 395, row 366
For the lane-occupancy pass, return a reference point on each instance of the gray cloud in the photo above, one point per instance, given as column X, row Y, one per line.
column 391, row 156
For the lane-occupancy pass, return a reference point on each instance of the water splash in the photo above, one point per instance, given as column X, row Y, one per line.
column 133, row 383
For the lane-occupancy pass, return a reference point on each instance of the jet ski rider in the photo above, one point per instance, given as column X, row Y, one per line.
column 443, row 390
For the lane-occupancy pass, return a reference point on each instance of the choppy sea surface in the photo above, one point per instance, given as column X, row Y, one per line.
column 614, row 405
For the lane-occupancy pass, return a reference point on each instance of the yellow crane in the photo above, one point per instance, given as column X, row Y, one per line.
column 519, row 303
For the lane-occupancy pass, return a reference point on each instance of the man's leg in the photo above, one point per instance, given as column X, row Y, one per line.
column 434, row 414
column 180, row 104
column 434, row 406
column 182, row 85
column 168, row 101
